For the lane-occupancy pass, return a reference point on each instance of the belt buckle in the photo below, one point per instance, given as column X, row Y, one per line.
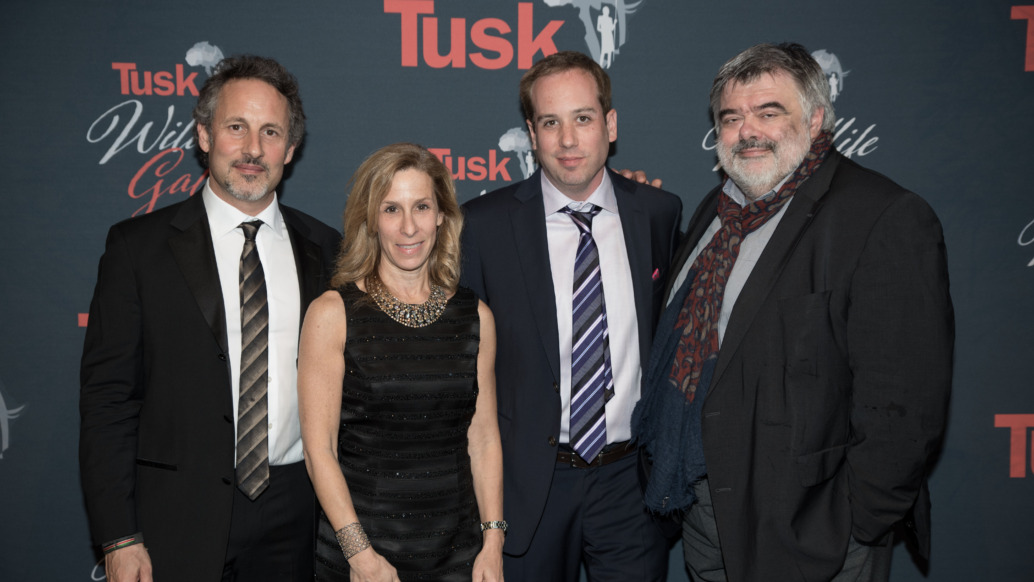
column 578, row 462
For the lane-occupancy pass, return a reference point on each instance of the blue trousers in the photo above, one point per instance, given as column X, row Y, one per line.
column 594, row 517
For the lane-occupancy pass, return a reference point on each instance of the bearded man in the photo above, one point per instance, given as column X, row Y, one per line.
column 189, row 404
column 798, row 384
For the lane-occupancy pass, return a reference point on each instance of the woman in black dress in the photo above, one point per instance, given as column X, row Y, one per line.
column 396, row 389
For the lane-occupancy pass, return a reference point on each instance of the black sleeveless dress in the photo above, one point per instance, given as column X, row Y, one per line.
column 407, row 400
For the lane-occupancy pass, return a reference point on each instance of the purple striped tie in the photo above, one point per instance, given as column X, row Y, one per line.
column 591, row 377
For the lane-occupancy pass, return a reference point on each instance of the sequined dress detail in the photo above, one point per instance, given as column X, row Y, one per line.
column 407, row 400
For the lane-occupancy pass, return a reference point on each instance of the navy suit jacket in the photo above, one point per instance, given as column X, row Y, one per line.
column 506, row 262
column 831, row 388
column 156, row 447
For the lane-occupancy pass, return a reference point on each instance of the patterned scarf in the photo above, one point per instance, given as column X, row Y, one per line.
column 666, row 420
column 697, row 350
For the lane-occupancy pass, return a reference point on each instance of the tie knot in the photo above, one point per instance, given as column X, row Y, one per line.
column 582, row 218
column 250, row 229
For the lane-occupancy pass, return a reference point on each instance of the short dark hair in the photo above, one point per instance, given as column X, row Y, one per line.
column 250, row 67
column 559, row 63
column 788, row 57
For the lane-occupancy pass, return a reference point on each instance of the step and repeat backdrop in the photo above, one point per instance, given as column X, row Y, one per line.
column 96, row 100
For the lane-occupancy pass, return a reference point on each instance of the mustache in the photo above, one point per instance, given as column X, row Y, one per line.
column 251, row 161
column 754, row 143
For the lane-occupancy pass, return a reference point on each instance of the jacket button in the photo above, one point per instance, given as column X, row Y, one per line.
column 556, row 387
column 227, row 418
column 222, row 357
column 227, row 481
column 552, row 441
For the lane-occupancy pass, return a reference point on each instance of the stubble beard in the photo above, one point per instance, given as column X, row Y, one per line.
column 247, row 187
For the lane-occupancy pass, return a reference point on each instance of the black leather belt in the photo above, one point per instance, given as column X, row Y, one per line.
column 609, row 454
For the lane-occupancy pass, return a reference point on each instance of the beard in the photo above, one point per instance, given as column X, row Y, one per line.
column 757, row 176
column 247, row 188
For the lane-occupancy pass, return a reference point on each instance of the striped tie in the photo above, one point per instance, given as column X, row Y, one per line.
column 252, row 436
column 591, row 379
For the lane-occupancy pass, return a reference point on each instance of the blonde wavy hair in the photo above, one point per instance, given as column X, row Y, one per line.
column 360, row 253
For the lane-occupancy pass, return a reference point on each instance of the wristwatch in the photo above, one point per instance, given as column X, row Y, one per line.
column 500, row 524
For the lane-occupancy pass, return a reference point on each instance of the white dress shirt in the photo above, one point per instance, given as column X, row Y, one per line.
column 750, row 251
column 623, row 327
column 283, row 294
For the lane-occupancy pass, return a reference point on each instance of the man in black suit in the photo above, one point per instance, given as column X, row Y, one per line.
column 163, row 452
column 800, row 377
column 570, row 488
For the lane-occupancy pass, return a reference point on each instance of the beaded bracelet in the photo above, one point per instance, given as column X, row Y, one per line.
column 352, row 539
column 137, row 538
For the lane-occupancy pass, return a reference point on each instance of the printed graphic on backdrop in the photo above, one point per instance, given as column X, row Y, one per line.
column 1019, row 426
column 847, row 142
column 153, row 121
column 476, row 168
column 1026, row 13
column 97, row 573
column 6, row 416
column 517, row 141
column 1026, row 238
column 834, row 72
column 846, row 137
column 605, row 25
column 494, row 37
column 497, row 40
column 493, row 167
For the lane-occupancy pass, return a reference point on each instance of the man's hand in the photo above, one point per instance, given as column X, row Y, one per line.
column 640, row 176
column 129, row 564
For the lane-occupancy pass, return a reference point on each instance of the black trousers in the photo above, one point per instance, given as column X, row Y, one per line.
column 273, row 537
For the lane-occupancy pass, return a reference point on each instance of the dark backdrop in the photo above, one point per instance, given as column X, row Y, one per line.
column 935, row 94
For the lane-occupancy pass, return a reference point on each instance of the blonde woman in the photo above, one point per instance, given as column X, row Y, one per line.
column 397, row 389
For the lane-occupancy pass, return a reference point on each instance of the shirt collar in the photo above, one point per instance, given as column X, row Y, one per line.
column 223, row 218
column 603, row 196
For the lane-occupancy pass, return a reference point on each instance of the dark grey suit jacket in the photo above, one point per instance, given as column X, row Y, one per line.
column 506, row 262
column 831, row 388
column 156, row 446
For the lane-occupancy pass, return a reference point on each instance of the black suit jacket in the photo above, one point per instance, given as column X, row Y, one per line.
column 831, row 388
column 506, row 262
column 157, row 438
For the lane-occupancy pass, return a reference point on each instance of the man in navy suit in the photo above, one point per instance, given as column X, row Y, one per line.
column 159, row 455
column 566, row 506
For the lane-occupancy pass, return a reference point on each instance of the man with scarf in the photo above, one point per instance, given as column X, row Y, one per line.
column 798, row 384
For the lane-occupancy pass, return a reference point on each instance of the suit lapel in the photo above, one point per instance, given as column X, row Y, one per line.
column 636, row 228
column 529, row 232
column 702, row 218
column 307, row 259
column 192, row 249
column 799, row 214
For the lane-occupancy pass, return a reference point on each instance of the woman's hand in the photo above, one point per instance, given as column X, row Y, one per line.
column 488, row 566
column 369, row 566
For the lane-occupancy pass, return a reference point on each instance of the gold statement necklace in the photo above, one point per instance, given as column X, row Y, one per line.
column 409, row 315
